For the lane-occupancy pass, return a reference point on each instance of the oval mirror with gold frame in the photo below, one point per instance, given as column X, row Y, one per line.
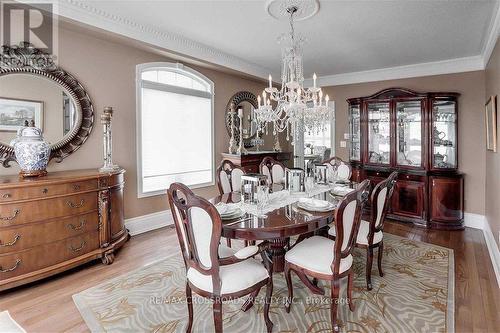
column 28, row 67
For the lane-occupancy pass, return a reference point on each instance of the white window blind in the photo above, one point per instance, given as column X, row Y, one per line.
column 176, row 126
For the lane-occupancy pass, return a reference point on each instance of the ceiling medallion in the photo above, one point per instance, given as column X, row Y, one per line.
column 278, row 9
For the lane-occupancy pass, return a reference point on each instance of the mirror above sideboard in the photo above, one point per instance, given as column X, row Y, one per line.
column 35, row 91
column 247, row 102
column 35, row 99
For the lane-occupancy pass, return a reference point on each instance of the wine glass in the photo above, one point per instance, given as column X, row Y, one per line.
column 309, row 185
column 262, row 199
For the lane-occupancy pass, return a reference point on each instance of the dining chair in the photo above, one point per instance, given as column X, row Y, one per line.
column 326, row 259
column 370, row 233
column 344, row 170
column 273, row 169
column 215, row 272
column 229, row 177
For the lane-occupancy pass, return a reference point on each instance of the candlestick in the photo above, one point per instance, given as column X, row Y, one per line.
column 314, row 80
column 270, row 82
column 241, row 148
column 107, row 141
column 232, row 141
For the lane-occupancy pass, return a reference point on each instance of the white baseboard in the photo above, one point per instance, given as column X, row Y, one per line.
column 141, row 224
column 477, row 221
column 492, row 249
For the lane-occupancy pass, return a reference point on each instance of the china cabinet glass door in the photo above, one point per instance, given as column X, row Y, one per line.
column 355, row 132
column 379, row 133
column 444, row 134
column 409, row 133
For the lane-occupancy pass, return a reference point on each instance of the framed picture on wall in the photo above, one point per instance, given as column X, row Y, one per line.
column 14, row 113
column 491, row 123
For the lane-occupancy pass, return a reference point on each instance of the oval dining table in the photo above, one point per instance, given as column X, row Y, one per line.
column 276, row 227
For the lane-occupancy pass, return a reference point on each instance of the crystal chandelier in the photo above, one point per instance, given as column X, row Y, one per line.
column 296, row 109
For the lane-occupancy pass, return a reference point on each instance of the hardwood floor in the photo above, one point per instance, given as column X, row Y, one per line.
column 47, row 306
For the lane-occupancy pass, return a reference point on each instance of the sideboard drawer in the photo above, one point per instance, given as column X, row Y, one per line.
column 25, row 212
column 35, row 192
column 26, row 236
column 36, row 258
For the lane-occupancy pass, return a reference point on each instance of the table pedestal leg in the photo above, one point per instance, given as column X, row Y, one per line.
column 277, row 252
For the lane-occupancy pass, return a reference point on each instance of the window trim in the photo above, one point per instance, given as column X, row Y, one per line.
column 140, row 84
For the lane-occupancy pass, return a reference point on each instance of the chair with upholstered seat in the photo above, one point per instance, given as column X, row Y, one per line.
column 370, row 233
column 336, row 164
column 273, row 169
column 325, row 259
column 215, row 271
column 229, row 177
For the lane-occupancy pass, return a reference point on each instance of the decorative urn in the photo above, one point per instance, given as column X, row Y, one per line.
column 32, row 152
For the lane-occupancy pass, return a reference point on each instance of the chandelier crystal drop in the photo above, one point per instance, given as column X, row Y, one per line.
column 296, row 109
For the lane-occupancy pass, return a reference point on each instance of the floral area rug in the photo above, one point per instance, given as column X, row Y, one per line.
column 416, row 294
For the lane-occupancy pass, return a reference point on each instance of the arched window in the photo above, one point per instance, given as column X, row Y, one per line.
column 175, row 116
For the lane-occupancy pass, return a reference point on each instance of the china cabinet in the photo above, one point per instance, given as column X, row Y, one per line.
column 415, row 134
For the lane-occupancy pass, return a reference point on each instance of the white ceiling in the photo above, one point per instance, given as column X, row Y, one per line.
column 343, row 37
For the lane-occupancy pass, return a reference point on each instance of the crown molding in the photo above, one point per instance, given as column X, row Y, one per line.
column 491, row 35
column 450, row 66
column 84, row 12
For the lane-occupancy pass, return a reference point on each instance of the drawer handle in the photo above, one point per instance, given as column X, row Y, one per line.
column 6, row 196
column 76, row 187
column 10, row 218
column 45, row 191
column 77, row 205
column 77, row 228
column 18, row 261
column 11, row 243
column 77, row 249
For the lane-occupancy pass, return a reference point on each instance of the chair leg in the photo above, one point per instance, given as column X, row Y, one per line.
column 379, row 259
column 218, row 315
column 350, row 280
column 189, row 301
column 334, row 303
column 250, row 301
column 269, row 292
column 228, row 242
column 369, row 260
column 289, row 285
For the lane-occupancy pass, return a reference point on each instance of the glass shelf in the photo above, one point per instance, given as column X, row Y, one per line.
column 444, row 134
column 355, row 132
column 379, row 133
column 409, row 133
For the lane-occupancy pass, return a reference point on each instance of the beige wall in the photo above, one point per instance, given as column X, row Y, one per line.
column 107, row 71
column 106, row 67
column 493, row 159
column 471, row 122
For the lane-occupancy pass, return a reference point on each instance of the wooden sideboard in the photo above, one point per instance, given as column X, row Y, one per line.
column 54, row 223
column 250, row 162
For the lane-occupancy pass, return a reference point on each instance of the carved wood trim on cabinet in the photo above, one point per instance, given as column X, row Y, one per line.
column 51, row 224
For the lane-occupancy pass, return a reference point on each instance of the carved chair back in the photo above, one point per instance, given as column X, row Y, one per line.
column 380, row 202
column 347, row 221
column 229, row 177
column 273, row 169
column 198, row 226
column 343, row 169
